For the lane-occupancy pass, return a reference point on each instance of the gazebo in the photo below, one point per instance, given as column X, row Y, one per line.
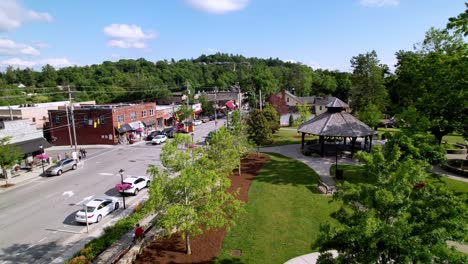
column 334, row 127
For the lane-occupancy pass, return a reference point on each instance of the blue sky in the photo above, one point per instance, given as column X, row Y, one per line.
column 319, row 33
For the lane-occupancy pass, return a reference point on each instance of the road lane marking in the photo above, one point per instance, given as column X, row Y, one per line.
column 44, row 238
column 69, row 193
column 106, row 174
column 62, row 230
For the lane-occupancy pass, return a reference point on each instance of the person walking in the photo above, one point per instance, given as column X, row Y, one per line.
column 83, row 153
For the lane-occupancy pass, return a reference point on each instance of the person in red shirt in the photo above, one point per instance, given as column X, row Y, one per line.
column 138, row 233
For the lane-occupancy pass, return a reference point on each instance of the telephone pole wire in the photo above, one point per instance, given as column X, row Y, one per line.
column 73, row 119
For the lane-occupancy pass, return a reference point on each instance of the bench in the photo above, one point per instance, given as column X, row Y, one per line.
column 325, row 188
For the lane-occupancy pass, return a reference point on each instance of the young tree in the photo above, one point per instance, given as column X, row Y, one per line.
column 190, row 193
column 368, row 82
column 304, row 113
column 258, row 128
column 241, row 142
column 370, row 115
column 291, row 120
column 9, row 156
column 401, row 218
column 272, row 117
column 184, row 112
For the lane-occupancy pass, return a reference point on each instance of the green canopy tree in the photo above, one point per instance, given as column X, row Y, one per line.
column 190, row 193
column 398, row 218
column 241, row 141
column 367, row 82
column 9, row 156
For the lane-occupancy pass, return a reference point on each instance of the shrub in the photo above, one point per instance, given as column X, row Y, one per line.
column 79, row 260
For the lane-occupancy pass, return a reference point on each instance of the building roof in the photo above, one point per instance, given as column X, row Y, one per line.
column 336, row 122
column 324, row 100
column 32, row 145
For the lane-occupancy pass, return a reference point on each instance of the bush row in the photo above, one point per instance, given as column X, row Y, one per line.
column 111, row 234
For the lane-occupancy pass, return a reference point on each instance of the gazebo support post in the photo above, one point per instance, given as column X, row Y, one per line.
column 353, row 142
column 365, row 143
column 370, row 143
column 302, row 143
column 322, row 145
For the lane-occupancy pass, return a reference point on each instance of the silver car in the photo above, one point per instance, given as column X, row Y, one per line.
column 61, row 166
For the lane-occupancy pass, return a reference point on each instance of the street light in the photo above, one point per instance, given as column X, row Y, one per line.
column 192, row 137
column 42, row 159
column 121, row 171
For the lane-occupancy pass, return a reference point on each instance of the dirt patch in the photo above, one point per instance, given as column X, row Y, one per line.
column 207, row 246
column 4, row 186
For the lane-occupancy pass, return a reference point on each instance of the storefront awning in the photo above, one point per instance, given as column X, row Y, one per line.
column 199, row 111
column 151, row 122
column 137, row 124
column 32, row 145
column 230, row 105
column 124, row 128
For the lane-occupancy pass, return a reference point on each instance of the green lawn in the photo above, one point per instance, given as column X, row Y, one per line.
column 452, row 139
column 283, row 216
column 353, row 174
column 287, row 136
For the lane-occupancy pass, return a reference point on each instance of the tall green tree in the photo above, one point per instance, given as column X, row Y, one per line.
column 460, row 22
column 238, row 130
column 398, row 218
column 434, row 76
column 9, row 156
column 367, row 82
column 190, row 194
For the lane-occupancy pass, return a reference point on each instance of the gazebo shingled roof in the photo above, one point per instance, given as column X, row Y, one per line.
column 336, row 122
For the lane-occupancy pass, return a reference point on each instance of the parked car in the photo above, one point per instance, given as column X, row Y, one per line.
column 158, row 139
column 169, row 132
column 209, row 136
column 206, row 119
column 197, row 122
column 97, row 209
column 61, row 166
column 154, row 134
column 133, row 184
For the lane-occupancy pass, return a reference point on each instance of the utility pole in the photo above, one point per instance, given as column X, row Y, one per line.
column 72, row 118
column 68, row 124
column 216, row 108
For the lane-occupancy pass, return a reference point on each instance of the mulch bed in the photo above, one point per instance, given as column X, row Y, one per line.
column 6, row 185
column 207, row 246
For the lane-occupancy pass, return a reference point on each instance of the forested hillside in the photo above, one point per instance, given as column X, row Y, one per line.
column 131, row 80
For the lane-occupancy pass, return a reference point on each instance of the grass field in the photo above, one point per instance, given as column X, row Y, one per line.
column 283, row 216
column 287, row 136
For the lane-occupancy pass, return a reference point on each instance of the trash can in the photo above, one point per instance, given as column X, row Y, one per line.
column 339, row 174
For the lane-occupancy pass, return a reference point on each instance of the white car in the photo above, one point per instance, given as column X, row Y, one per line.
column 97, row 209
column 158, row 139
column 133, row 184
column 197, row 122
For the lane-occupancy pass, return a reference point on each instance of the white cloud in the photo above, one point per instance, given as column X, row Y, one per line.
column 12, row 15
column 212, row 51
column 218, row 6
column 127, row 36
column 379, row 3
column 55, row 62
column 40, row 44
column 9, row 47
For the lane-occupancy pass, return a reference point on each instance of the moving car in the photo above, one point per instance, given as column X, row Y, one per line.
column 169, row 132
column 133, row 184
column 154, row 134
column 61, row 166
column 197, row 122
column 158, row 139
column 97, row 209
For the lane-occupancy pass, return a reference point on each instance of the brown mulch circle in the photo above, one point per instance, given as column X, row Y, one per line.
column 6, row 185
column 207, row 246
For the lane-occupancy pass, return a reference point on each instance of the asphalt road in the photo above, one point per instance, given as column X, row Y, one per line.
column 37, row 219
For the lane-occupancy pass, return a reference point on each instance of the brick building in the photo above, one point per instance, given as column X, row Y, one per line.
column 102, row 124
